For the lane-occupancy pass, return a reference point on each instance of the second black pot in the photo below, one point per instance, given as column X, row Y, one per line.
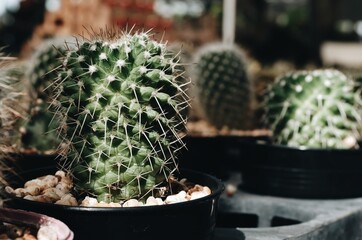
column 194, row 219
column 301, row 173
column 216, row 155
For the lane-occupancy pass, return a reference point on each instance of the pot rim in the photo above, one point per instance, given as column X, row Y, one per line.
column 302, row 149
column 214, row 194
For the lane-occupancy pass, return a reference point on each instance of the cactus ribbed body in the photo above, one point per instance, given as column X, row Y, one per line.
column 120, row 103
column 222, row 87
column 39, row 132
column 314, row 109
column 43, row 64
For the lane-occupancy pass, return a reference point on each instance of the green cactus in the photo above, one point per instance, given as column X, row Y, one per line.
column 12, row 103
column 44, row 62
column 314, row 109
column 222, row 87
column 39, row 131
column 13, row 106
column 120, row 101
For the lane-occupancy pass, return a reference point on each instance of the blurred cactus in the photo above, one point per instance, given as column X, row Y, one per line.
column 222, row 88
column 39, row 132
column 12, row 101
column 314, row 109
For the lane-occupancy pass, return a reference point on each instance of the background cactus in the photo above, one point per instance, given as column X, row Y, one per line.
column 12, row 101
column 314, row 109
column 39, row 131
column 12, row 110
column 222, row 89
column 120, row 101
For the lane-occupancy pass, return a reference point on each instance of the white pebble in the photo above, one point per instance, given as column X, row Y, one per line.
column 60, row 173
column 9, row 190
column 151, row 201
column 350, row 141
column 196, row 195
column 132, row 203
column 230, row 189
column 206, row 190
column 89, row 202
column 112, row 204
column 176, row 198
column 67, row 199
column 47, row 233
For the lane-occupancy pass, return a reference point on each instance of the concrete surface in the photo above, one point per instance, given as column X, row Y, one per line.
column 255, row 217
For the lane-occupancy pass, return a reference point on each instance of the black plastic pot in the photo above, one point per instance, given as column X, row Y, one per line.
column 194, row 219
column 301, row 173
column 216, row 155
column 25, row 163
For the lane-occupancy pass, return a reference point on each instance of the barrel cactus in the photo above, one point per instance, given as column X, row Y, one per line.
column 39, row 131
column 119, row 101
column 12, row 101
column 44, row 62
column 314, row 109
column 222, row 88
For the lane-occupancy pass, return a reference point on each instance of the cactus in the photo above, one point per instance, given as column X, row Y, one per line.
column 222, row 87
column 119, row 101
column 12, row 110
column 39, row 131
column 12, row 103
column 44, row 62
column 314, row 109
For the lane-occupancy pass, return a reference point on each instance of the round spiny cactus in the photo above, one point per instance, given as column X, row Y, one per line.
column 120, row 102
column 44, row 62
column 39, row 131
column 222, row 87
column 314, row 109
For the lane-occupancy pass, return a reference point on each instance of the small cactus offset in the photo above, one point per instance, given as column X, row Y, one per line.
column 222, row 88
column 314, row 109
column 39, row 131
column 120, row 102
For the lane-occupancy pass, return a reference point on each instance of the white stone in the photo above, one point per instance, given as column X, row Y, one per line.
column 176, row 198
column 196, row 195
column 47, row 233
column 89, row 202
column 60, row 173
column 132, row 203
column 350, row 141
column 206, row 190
column 152, row 201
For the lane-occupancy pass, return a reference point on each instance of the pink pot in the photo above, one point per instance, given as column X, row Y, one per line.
column 53, row 226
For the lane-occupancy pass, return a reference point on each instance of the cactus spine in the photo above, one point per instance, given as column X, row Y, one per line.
column 119, row 101
column 314, row 109
column 222, row 87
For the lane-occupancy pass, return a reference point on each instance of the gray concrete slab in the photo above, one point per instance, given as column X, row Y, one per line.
column 303, row 219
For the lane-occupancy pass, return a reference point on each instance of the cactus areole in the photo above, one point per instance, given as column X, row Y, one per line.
column 314, row 109
column 119, row 102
